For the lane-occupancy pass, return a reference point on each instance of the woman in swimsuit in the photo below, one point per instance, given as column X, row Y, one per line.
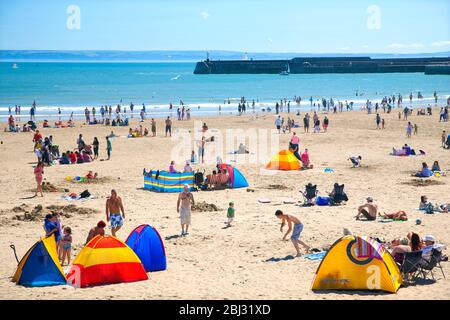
column 38, row 173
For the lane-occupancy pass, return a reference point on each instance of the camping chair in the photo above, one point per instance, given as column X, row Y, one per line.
column 426, row 267
column 310, row 194
column 410, row 267
column 199, row 179
column 338, row 195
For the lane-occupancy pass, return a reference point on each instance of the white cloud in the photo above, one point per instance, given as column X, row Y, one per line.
column 204, row 14
column 405, row 45
column 441, row 43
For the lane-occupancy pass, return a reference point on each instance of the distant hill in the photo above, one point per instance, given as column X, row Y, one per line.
column 142, row 56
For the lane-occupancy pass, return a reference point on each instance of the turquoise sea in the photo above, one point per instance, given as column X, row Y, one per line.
column 73, row 86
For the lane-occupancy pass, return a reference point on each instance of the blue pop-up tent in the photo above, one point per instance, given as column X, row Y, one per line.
column 40, row 266
column 148, row 246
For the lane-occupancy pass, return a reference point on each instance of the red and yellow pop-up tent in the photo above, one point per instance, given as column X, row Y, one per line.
column 284, row 160
column 105, row 260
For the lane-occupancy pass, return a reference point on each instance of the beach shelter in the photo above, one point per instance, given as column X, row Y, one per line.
column 284, row 160
column 40, row 266
column 105, row 260
column 148, row 246
column 163, row 181
column 357, row 263
column 237, row 179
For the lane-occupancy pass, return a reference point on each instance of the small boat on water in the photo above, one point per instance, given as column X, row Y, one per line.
column 14, row 66
column 286, row 72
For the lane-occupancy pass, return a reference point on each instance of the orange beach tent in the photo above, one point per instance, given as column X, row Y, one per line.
column 284, row 160
column 105, row 260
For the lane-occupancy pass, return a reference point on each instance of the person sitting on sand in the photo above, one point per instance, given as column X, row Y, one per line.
column 242, row 149
column 172, row 167
column 79, row 157
column 296, row 231
column 304, row 157
column 425, row 172
column 64, row 159
column 86, row 157
column 368, row 210
column 145, row 132
column 356, row 161
column 91, row 175
column 212, row 179
column 398, row 216
column 187, row 167
column 99, row 229
column 436, row 167
column 72, row 157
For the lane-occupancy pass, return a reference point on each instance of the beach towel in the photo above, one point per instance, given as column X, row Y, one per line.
column 77, row 198
column 328, row 170
column 386, row 220
column 315, row 256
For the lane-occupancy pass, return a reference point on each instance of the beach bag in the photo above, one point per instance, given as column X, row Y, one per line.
column 429, row 209
column 323, row 201
column 85, row 194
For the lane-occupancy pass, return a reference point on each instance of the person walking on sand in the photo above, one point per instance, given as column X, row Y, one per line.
column 38, row 174
column 298, row 228
column 108, row 147
column 96, row 144
column 409, row 129
column 168, row 126
column 115, row 212
column 184, row 203
column 153, row 124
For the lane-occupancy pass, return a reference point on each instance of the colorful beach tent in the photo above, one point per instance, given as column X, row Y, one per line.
column 148, row 245
column 284, row 160
column 357, row 263
column 105, row 260
column 168, row 182
column 40, row 266
column 237, row 179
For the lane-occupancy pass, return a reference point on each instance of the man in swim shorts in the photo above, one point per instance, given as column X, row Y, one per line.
column 185, row 199
column 368, row 210
column 298, row 228
column 114, row 207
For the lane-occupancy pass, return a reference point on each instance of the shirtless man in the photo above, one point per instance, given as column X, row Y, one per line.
column 186, row 199
column 370, row 213
column 298, row 228
column 114, row 207
column 99, row 229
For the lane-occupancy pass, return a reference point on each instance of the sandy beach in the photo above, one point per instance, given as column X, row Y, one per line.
column 248, row 260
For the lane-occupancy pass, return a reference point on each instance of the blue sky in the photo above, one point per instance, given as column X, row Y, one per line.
column 318, row 26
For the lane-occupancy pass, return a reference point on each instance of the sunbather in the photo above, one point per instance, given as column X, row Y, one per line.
column 400, row 216
column 425, row 172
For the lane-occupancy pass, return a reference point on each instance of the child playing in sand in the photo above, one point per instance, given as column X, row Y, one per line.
column 66, row 243
column 230, row 214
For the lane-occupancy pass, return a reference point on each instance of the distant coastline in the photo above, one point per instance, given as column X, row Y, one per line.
column 175, row 56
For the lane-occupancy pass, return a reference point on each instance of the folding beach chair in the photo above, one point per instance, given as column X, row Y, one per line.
column 410, row 267
column 310, row 194
column 426, row 267
column 338, row 195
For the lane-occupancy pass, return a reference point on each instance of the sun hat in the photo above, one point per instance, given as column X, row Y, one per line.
column 429, row 238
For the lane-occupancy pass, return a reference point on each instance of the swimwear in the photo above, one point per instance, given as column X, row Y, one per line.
column 298, row 228
column 67, row 246
column 367, row 215
column 116, row 220
column 185, row 215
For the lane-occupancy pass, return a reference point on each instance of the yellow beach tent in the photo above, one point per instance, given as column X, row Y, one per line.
column 357, row 263
column 284, row 160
